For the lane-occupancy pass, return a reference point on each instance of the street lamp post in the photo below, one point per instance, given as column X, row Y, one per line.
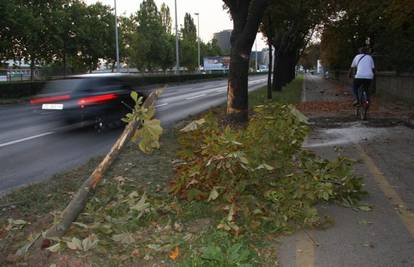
column 198, row 39
column 116, row 39
column 177, row 56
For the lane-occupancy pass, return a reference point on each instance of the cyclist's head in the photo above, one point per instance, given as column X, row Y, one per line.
column 363, row 50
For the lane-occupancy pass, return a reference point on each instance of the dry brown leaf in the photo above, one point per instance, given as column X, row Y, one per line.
column 174, row 253
column 135, row 253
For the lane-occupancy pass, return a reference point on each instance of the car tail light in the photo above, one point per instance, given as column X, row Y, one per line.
column 90, row 100
column 49, row 99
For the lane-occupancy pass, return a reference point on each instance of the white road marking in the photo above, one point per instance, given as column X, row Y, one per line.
column 161, row 105
column 219, row 93
column 196, row 96
column 25, row 139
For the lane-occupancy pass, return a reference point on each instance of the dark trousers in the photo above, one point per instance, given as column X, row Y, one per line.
column 363, row 83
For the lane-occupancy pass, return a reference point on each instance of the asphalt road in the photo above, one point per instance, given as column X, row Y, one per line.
column 33, row 147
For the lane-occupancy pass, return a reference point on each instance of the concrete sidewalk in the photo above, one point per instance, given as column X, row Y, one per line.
column 384, row 151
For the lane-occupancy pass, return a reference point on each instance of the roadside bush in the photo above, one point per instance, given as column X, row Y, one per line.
column 260, row 176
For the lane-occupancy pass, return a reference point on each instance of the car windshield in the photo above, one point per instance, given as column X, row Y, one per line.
column 63, row 86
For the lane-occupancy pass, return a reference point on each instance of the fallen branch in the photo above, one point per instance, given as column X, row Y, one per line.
column 78, row 202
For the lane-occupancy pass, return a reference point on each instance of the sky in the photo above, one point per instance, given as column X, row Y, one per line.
column 212, row 16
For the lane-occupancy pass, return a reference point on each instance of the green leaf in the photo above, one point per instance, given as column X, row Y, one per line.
column 149, row 134
column 213, row 253
column 265, row 166
column 82, row 225
column 195, row 194
column 299, row 115
column 192, row 126
column 365, row 208
column 141, row 205
column 134, row 95
column 17, row 222
column 124, row 238
column 244, row 160
column 74, row 244
column 213, row 194
column 89, row 242
column 55, row 248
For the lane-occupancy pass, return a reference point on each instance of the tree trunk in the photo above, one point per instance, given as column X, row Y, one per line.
column 64, row 65
column 246, row 16
column 283, row 71
column 291, row 69
column 64, row 58
column 269, row 73
column 237, row 90
column 279, row 72
column 31, row 68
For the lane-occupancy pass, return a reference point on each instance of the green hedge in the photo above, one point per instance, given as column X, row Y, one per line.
column 10, row 90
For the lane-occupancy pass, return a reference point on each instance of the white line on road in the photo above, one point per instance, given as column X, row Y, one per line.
column 219, row 93
column 161, row 105
column 25, row 139
column 196, row 96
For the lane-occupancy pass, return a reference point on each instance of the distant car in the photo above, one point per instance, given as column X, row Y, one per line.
column 97, row 98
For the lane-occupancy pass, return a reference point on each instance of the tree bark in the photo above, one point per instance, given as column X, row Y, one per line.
column 279, row 72
column 64, row 58
column 31, row 68
column 269, row 73
column 78, row 202
column 246, row 16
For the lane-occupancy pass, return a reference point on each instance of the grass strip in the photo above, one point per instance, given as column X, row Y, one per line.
column 290, row 94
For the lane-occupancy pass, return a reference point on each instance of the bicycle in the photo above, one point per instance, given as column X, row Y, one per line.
column 363, row 103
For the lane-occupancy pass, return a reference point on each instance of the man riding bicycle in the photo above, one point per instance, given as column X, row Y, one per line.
column 365, row 70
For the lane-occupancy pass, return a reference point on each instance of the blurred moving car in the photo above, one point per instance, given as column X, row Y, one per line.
column 97, row 98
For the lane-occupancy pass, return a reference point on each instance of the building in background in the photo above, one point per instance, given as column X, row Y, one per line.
column 212, row 64
column 223, row 41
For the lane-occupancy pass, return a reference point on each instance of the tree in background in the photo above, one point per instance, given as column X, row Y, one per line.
column 210, row 49
column 31, row 38
column 7, row 25
column 69, row 36
column 310, row 56
column 188, row 43
column 97, row 38
column 166, row 18
column 58, row 32
column 290, row 29
column 385, row 26
column 147, row 43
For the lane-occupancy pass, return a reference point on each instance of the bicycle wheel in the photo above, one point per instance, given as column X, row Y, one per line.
column 363, row 113
column 357, row 111
column 364, row 106
column 358, row 107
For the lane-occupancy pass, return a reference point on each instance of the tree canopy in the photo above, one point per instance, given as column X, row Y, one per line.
column 386, row 27
column 75, row 37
